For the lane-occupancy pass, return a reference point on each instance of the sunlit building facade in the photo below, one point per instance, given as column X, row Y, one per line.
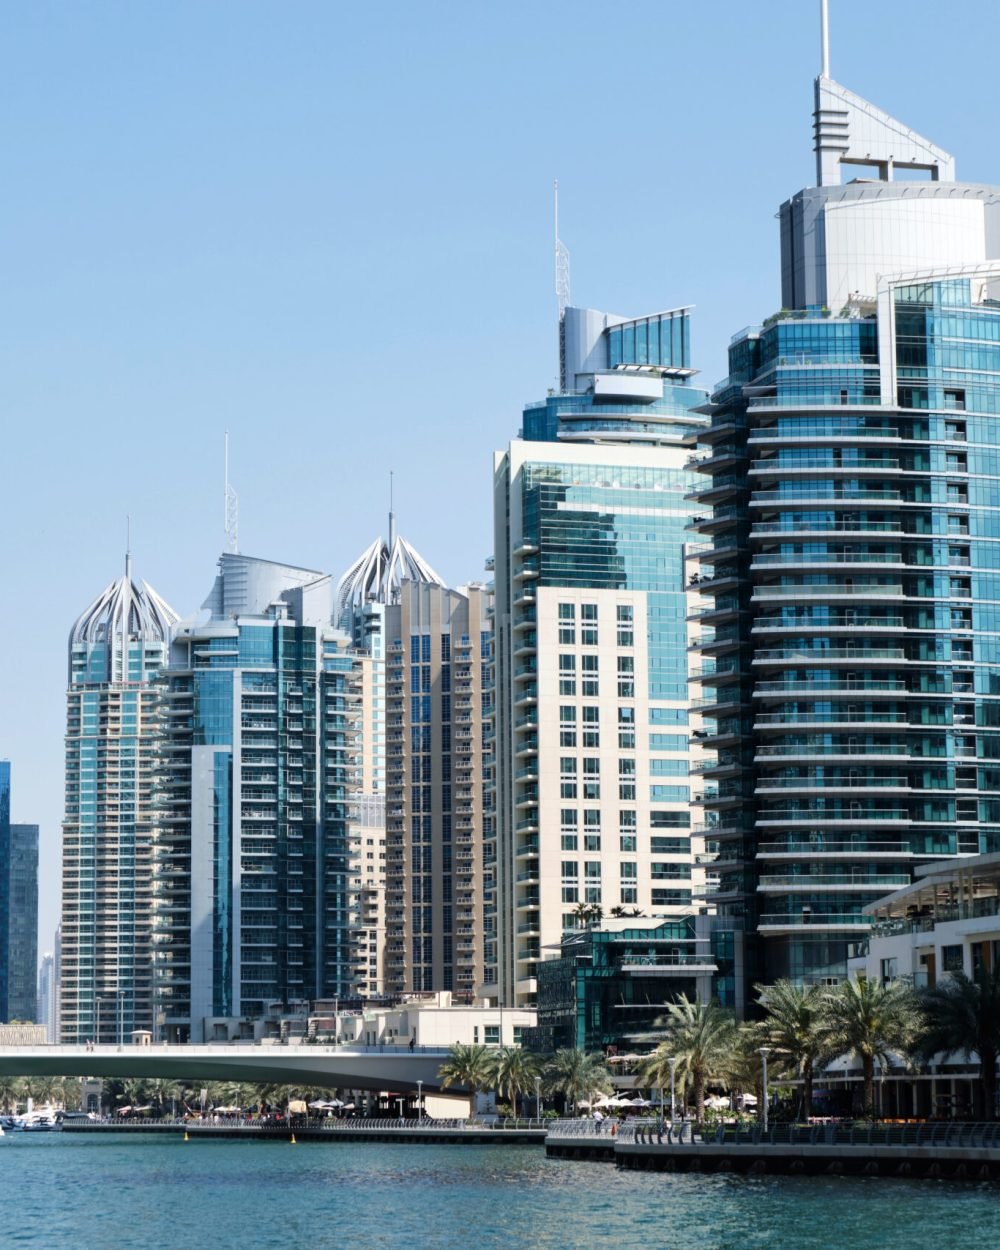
column 592, row 714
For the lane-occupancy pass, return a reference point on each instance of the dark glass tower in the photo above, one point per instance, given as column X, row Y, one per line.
column 852, row 646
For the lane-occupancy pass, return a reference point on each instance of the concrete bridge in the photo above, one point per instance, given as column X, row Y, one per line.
column 350, row 1067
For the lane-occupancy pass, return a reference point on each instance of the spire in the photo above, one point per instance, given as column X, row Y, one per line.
column 849, row 131
column 392, row 515
column 824, row 38
column 128, row 548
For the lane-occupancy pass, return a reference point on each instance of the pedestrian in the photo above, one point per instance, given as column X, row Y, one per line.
column 413, row 1042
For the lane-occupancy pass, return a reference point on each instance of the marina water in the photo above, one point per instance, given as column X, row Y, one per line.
column 64, row 1192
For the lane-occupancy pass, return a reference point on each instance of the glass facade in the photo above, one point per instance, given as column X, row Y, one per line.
column 4, row 889
column 592, row 601
column 851, row 648
column 254, row 871
column 22, row 924
column 116, row 650
column 607, row 989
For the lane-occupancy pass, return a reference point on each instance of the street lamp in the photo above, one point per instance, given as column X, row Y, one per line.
column 400, row 1102
column 420, row 1100
column 538, row 1097
column 764, row 1052
column 673, row 1093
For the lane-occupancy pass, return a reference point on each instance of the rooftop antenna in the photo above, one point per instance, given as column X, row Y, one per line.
column 562, row 285
column 128, row 547
column 392, row 516
column 824, row 35
column 231, row 513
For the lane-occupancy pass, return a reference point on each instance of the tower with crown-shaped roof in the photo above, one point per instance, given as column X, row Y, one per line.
column 116, row 649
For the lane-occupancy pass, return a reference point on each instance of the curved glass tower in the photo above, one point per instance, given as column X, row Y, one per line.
column 851, row 646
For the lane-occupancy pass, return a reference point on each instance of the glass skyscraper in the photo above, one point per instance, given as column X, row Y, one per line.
column 592, row 717
column 23, row 923
column 851, row 477
column 254, row 901
column 116, row 649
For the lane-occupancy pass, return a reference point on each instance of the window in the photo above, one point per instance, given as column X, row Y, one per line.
column 588, row 612
column 629, row 894
column 591, row 773
column 567, row 636
column 567, row 611
column 626, row 637
column 626, row 677
column 568, row 818
column 951, row 958
column 568, row 842
column 591, row 730
column 570, row 894
column 588, row 635
column 491, row 1034
column 627, row 843
column 592, row 842
column 567, row 687
column 629, row 871
column 567, row 662
column 592, row 818
column 570, row 870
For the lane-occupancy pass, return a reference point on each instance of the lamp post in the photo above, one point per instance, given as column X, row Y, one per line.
column 420, row 1100
column 673, row 1090
column 538, row 1097
column 400, row 1102
column 764, row 1052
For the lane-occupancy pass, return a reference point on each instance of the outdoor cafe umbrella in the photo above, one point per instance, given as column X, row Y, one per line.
column 297, row 1107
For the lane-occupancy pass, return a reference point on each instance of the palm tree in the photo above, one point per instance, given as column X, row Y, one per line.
column 701, row 1037
column 574, row 1073
column 793, row 1028
column 963, row 1016
column 472, row 1066
column 866, row 1018
column 9, row 1092
column 515, row 1071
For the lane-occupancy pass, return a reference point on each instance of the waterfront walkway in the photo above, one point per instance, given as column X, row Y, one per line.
column 465, row 1132
column 934, row 1149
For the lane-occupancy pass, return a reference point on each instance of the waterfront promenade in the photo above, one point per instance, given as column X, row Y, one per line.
column 935, row 1150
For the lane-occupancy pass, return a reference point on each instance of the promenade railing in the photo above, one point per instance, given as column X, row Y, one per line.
column 942, row 1133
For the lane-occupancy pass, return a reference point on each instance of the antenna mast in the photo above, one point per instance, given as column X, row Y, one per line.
column 824, row 36
column 562, row 285
column 231, row 509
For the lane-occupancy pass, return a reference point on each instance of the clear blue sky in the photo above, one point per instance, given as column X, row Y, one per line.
column 327, row 226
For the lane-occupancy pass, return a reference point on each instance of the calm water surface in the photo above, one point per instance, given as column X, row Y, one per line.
column 65, row 1192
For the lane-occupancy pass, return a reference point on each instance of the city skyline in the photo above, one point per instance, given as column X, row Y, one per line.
column 59, row 371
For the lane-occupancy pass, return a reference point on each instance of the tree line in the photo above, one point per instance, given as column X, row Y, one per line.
column 801, row 1030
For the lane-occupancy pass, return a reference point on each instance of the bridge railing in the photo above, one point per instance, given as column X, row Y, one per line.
column 332, row 1124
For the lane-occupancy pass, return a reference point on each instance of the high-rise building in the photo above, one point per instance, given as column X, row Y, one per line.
column 374, row 581
column 852, row 650
column 438, row 711
column 47, row 991
column 22, row 923
column 593, row 723
column 116, row 649
column 254, row 889
column 4, row 888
